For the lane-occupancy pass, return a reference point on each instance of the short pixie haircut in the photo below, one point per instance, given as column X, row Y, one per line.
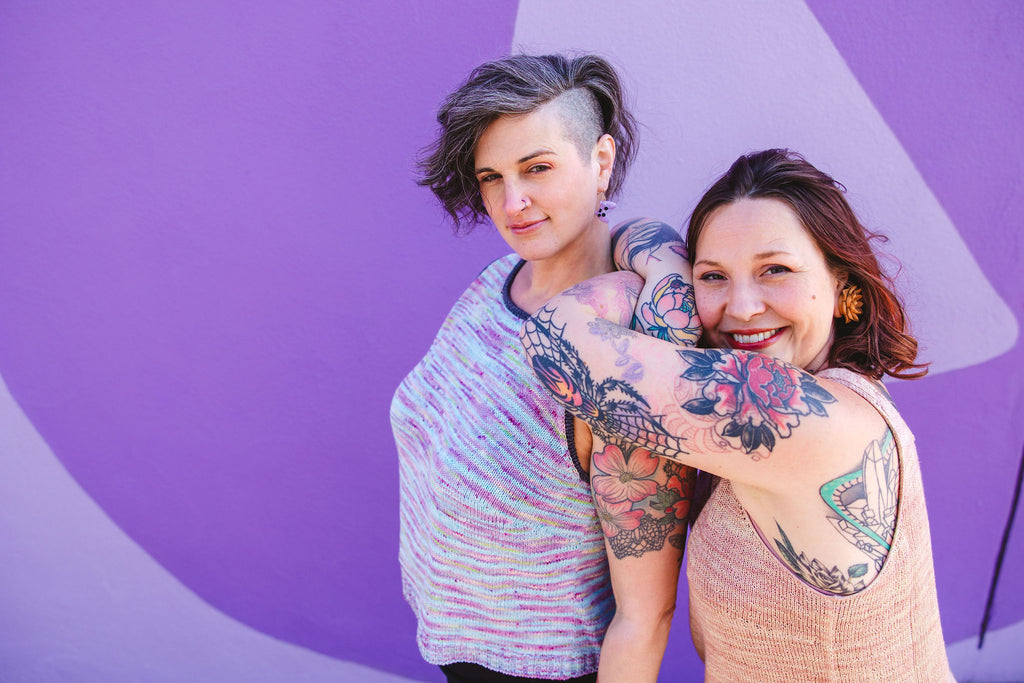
column 879, row 343
column 513, row 86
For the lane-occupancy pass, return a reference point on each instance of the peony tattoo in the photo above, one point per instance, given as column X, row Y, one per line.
column 671, row 314
column 759, row 397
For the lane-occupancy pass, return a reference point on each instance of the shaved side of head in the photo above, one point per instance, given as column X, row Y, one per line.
column 581, row 115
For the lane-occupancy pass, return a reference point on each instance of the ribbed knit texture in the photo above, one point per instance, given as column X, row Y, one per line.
column 502, row 556
column 752, row 619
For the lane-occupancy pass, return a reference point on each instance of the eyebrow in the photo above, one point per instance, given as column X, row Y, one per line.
column 757, row 257
column 531, row 155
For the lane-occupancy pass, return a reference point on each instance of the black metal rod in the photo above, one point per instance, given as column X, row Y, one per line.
column 1002, row 553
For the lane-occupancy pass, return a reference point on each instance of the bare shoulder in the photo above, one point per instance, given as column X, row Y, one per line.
column 611, row 297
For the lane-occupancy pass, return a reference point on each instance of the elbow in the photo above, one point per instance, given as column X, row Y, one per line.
column 651, row 623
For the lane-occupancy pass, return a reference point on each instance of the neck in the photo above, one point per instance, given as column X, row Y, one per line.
column 539, row 281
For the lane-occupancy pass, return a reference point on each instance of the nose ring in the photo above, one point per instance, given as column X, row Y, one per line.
column 526, row 202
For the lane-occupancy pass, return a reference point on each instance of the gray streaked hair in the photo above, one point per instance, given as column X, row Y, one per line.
column 518, row 85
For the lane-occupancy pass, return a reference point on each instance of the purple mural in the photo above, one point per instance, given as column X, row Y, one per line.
column 209, row 223
column 215, row 267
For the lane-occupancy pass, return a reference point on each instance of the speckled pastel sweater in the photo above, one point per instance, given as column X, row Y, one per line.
column 752, row 619
column 502, row 555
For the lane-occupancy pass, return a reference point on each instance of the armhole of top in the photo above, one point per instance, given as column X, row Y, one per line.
column 570, row 442
column 866, row 388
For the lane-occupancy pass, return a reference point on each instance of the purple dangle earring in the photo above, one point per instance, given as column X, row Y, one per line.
column 603, row 208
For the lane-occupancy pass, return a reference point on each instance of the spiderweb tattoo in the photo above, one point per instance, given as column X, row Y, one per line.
column 613, row 408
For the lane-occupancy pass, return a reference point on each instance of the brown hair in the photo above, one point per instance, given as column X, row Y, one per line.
column 514, row 86
column 878, row 343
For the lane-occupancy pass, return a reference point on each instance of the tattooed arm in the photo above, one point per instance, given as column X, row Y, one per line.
column 642, row 502
column 791, row 444
column 702, row 407
column 655, row 251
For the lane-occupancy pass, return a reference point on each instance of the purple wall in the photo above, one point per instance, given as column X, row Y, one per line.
column 215, row 268
column 209, row 234
column 948, row 81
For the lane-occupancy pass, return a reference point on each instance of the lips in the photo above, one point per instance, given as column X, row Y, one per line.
column 753, row 341
column 524, row 227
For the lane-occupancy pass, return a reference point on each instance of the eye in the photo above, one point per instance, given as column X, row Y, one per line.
column 710, row 276
column 488, row 178
column 538, row 168
column 777, row 269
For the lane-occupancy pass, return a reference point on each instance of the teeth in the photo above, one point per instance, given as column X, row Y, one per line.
column 753, row 338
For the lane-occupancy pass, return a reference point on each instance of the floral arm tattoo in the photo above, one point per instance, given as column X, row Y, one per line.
column 758, row 398
column 749, row 401
column 666, row 309
column 862, row 507
column 671, row 313
column 642, row 500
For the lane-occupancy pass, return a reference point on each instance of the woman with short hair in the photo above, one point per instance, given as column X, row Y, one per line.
column 503, row 554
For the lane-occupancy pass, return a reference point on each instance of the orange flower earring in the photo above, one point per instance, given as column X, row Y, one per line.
column 851, row 303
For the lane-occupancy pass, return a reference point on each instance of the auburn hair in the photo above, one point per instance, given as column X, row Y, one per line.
column 877, row 344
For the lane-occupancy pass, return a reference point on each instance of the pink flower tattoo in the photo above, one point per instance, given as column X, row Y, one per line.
column 759, row 396
column 622, row 481
column 616, row 517
column 671, row 313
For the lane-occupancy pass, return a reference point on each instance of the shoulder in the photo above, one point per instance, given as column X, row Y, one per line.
column 642, row 222
column 611, row 296
column 491, row 281
column 644, row 232
column 498, row 268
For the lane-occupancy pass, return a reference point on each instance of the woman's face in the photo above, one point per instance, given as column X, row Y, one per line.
column 538, row 191
column 762, row 284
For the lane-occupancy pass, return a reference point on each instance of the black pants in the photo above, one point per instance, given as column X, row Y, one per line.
column 463, row 672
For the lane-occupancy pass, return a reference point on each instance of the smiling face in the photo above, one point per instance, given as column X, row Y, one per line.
column 537, row 187
column 762, row 283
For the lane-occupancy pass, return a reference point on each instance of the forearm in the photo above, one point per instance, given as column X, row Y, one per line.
column 633, row 650
column 666, row 308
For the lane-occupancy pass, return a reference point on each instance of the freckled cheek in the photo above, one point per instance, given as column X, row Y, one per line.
column 709, row 308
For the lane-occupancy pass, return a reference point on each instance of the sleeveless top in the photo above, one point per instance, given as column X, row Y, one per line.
column 502, row 555
column 752, row 619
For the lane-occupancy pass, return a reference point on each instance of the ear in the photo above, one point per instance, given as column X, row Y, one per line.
column 841, row 280
column 604, row 157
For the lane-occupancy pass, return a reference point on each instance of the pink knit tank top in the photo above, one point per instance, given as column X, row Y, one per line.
column 752, row 619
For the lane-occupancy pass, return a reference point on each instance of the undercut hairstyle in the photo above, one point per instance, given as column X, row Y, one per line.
column 877, row 344
column 590, row 100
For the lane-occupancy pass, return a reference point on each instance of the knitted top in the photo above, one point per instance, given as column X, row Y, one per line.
column 752, row 619
column 502, row 555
